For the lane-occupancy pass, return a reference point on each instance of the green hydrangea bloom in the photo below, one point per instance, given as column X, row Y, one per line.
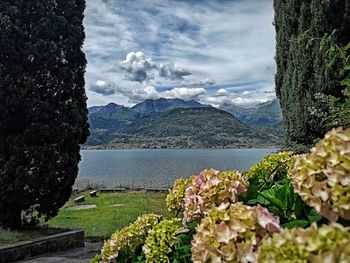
column 232, row 233
column 211, row 188
column 160, row 240
column 175, row 198
column 328, row 243
column 128, row 239
column 322, row 177
column 271, row 165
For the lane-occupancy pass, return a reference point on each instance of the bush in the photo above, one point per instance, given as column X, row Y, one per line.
column 271, row 188
column 231, row 233
column 328, row 243
column 322, row 177
column 175, row 198
column 160, row 239
column 43, row 115
column 124, row 244
column 211, row 188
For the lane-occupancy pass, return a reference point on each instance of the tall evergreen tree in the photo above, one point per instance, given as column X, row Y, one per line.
column 301, row 67
column 43, row 115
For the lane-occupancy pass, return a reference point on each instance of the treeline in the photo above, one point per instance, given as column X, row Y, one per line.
column 302, row 72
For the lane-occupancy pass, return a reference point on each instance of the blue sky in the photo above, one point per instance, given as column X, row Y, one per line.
column 213, row 51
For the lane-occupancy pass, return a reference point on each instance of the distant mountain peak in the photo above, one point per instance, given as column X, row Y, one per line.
column 162, row 104
column 267, row 103
column 266, row 113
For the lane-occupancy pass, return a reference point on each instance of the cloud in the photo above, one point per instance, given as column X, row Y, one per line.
column 199, row 82
column 189, row 35
column 240, row 98
column 103, row 87
column 183, row 93
column 169, row 71
column 137, row 66
column 139, row 94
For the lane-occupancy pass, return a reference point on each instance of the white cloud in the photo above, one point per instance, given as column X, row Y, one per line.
column 137, row 66
column 169, row 71
column 183, row 93
column 103, row 87
column 222, row 92
column 199, row 82
column 222, row 96
column 231, row 42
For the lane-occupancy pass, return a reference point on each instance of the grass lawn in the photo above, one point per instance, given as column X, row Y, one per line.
column 7, row 236
column 99, row 223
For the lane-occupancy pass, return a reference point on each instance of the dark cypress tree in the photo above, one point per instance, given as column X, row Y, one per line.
column 43, row 115
column 301, row 66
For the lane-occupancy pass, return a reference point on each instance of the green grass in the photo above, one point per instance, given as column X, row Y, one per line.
column 10, row 236
column 99, row 223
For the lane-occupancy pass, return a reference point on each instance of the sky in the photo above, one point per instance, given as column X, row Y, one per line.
column 212, row 51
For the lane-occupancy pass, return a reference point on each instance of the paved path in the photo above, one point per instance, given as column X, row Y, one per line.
column 77, row 255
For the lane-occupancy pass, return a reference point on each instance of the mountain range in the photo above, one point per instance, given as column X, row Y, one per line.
column 175, row 123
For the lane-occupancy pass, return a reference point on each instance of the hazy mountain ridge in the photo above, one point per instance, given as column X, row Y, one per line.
column 160, row 105
column 173, row 123
column 267, row 113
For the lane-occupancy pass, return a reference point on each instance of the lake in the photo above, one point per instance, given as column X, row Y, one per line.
column 153, row 167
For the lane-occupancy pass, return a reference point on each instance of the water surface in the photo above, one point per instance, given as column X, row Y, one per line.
column 163, row 165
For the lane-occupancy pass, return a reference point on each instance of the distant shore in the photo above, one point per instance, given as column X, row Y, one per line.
column 111, row 147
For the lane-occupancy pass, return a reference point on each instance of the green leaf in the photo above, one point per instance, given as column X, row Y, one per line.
column 252, row 202
column 298, row 207
column 261, row 200
column 270, row 195
column 313, row 216
column 296, row 223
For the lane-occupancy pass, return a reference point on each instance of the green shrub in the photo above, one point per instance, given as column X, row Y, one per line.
column 322, row 177
column 160, row 239
column 271, row 188
column 124, row 244
column 176, row 197
column 231, row 233
column 210, row 189
column 43, row 114
column 328, row 243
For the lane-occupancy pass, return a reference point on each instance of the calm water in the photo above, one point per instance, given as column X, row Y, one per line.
column 161, row 165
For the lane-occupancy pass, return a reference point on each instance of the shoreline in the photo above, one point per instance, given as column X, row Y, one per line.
column 103, row 148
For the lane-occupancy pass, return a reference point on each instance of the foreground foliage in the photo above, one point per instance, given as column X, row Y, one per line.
column 43, row 115
column 124, row 243
column 272, row 213
column 328, row 243
column 232, row 233
column 322, row 177
column 301, row 65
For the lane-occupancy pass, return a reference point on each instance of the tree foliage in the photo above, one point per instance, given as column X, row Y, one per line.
column 302, row 69
column 43, row 116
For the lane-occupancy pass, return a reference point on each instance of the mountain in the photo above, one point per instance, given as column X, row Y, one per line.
column 237, row 111
column 203, row 127
column 106, row 120
column 171, row 123
column 268, row 113
column 161, row 105
column 109, row 107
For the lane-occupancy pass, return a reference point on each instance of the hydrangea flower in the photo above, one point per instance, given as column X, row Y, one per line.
column 175, row 198
column 322, row 177
column 211, row 188
column 128, row 239
column 232, row 233
column 160, row 240
column 328, row 243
